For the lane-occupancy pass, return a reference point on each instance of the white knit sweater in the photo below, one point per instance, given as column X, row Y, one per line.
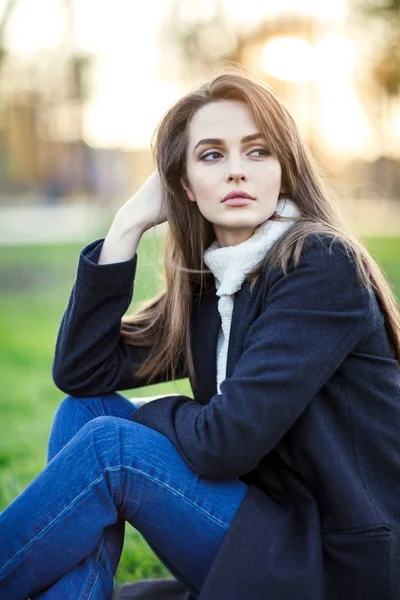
column 231, row 264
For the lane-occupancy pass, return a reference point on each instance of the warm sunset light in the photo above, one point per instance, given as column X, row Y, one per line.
column 289, row 58
column 329, row 66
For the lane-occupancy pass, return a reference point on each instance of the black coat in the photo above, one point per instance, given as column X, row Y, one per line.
column 308, row 416
column 153, row 589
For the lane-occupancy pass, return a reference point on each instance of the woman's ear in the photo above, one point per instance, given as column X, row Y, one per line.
column 284, row 191
column 187, row 189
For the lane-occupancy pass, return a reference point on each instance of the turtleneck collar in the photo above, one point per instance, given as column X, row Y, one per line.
column 231, row 264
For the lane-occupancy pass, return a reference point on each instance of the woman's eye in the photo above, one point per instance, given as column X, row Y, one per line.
column 207, row 154
column 263, row 150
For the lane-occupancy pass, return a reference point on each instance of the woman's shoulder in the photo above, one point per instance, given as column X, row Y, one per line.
column 322, row 250
column 326, row 264
column 325, row 283
column 327, row 244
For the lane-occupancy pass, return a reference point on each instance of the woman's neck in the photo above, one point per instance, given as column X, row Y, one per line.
column 232, row 237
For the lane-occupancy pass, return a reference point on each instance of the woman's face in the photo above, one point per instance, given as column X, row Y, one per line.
column 220, row 160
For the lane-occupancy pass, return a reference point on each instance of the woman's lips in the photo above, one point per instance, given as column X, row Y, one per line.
column 237, row 194
column 238, row 201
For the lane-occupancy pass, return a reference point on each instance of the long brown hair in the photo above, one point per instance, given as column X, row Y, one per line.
column 163, row 323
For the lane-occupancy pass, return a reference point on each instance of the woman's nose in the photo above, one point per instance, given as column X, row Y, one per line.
column 237, row 176
column 235, row 170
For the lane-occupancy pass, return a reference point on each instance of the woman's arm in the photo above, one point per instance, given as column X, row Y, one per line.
column 313, row 318
column 90, row 358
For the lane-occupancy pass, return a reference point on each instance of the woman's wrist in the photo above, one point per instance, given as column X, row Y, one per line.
column 121, row 241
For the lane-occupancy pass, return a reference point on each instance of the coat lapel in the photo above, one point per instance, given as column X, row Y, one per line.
column 206, row 323
column 238, row 326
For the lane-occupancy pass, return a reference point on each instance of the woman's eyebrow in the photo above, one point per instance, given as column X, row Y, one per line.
column 219, row 141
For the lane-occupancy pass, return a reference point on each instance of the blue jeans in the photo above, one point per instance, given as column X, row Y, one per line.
column 62, row 537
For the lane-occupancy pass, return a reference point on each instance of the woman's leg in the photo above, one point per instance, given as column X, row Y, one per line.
column 71, row 415
column 112, row 468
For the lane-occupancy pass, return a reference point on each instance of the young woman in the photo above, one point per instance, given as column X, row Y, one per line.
column 279, row 478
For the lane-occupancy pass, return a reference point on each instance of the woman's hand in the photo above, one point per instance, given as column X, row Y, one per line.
column 142, row 211
column 144, row 208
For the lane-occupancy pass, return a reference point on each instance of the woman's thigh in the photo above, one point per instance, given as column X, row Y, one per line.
column 182, row 516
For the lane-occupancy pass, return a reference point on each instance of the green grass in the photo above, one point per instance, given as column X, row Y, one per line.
column 35, row 282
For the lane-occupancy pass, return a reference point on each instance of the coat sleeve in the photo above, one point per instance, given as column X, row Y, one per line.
column 312, row 319
column 90, row 359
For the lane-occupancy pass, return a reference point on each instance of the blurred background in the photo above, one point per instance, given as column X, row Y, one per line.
column 83, row 85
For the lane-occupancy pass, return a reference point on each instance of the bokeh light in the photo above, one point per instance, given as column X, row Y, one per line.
column 289, row 58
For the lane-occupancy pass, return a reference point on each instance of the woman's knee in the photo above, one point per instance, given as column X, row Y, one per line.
column 92, row 405
column 70, row 415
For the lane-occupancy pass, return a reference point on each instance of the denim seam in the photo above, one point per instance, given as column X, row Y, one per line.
column 90, row 581
column 89, row 586
column 176, row 492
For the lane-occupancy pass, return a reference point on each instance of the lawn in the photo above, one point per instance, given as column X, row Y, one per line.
column 35, row 282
